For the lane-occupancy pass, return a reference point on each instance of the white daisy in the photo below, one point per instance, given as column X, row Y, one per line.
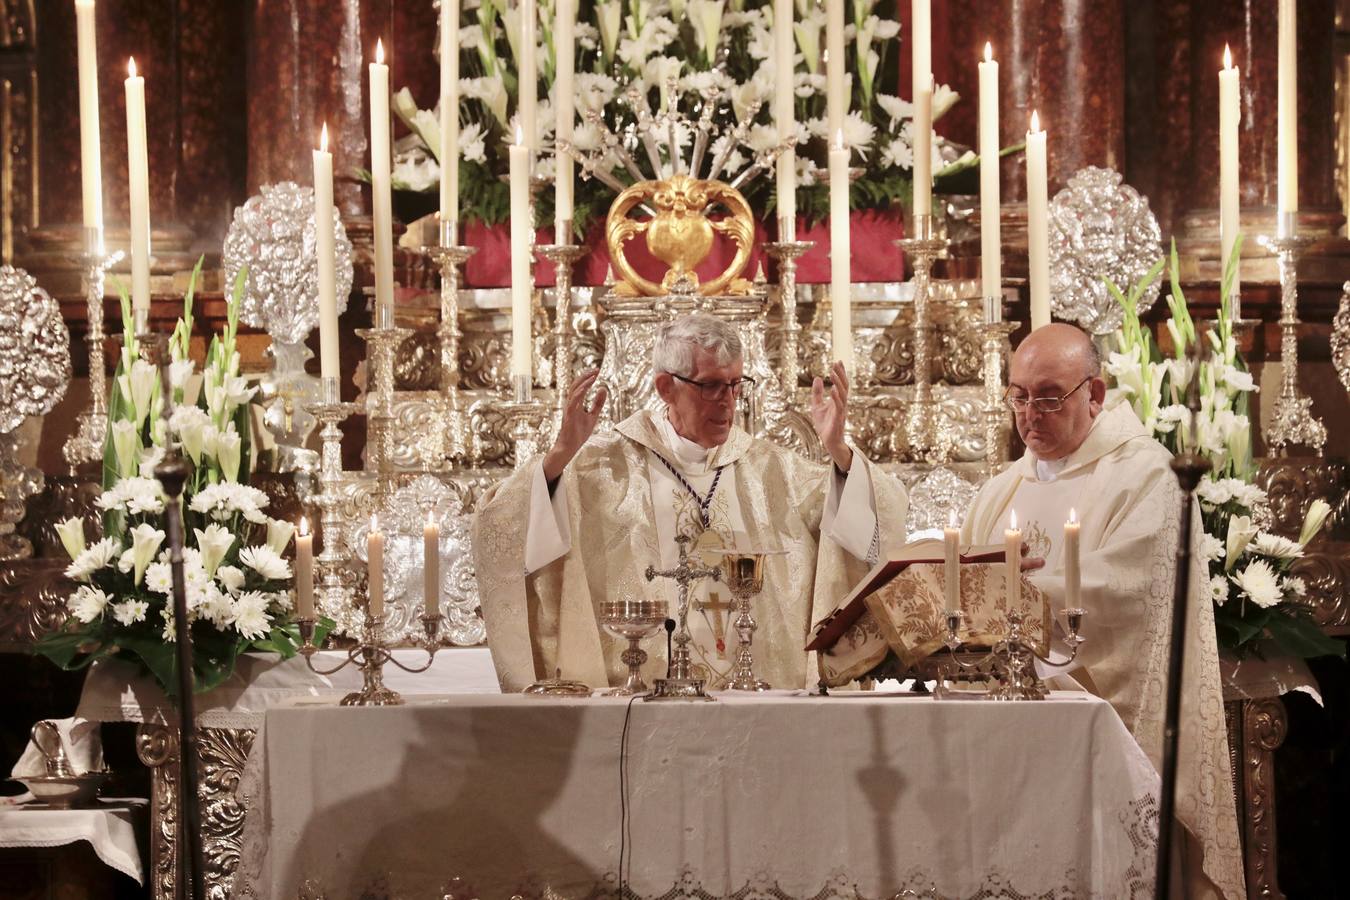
column 129, row 612
column 1274, row 546
column 87, row 603
column 1259, row 583
column 1218, row 589
column 249, row 615
column 265, row 561
column 95, row 557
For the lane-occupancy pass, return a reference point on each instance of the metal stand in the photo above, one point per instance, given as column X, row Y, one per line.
column 370, row 656
column 449, row 256
column 86, row 444
column 1293, row 422
column 333, row 594
column 1011, row 664
column 786, row 254
column 564, row 257
column 382, row 344
column 525, row 416
column 921, row 427
column 996, row 348
column 680, row 683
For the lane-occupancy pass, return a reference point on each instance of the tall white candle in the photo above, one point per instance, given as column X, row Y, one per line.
column 304, row 571
column 1287, row 113
column 529, row 74
column 431, row 565
column 1073, row 578
column 382, row 202
column 449, row 112
column 91, row 159
column 375, row 568
column 1229, row 116
column 920, row 41
column 841, row 313
column 785, row 116
column 138, row 183
column 991, row 245
column 836, row 100
column 323, row 246
column 951, row 565
column 521, row 283
column 564, row 100
column 1038, row 226
column 1012, row 554
column 923, row 147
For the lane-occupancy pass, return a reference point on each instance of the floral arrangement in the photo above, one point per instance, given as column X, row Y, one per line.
column 712, row 51
column 238, row 583
column 1256, row 597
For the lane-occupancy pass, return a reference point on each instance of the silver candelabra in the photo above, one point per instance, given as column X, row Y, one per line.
column 1011, row 663
column 922, row 429
column 86, row 444
column 330, row 412
column 1293, row 422
column 786, row 253
column 449, row 256
column 371, row 655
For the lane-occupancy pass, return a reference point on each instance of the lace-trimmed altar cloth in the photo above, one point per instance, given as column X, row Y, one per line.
column 109, row 826
column 774, row 796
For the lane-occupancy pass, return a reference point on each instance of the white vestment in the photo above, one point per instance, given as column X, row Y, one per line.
column 617, row 508
column 1127, row 498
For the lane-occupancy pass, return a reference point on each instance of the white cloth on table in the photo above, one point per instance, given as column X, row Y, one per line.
column 117, row 691
column 110, row 827
column 775, row 795
column 81, row 740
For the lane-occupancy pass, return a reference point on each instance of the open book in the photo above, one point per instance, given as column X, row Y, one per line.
column 850, row 609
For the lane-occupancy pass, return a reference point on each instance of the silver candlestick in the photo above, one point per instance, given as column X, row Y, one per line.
column 1293, row 422
column 86, row 444
column 449, row 256
column 680, row 683
column 786, row 254
column 382, row 343
column 996, row 347
column 330, row 412
column 921, row 430
column 564, row 257
column 371, row 655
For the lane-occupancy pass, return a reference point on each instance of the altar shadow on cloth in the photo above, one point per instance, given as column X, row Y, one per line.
column 881, row 784
column 474, row 799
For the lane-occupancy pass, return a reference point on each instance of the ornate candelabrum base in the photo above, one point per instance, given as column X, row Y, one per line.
column 382, row 345
column 680, row 683
column 526, row 418
column 786, row 254
column 370, row 656
column 564, row 257
column 1011, row 663
column 924, row 432
column 333, row 594
column 1292, row 422
column 86, row 444
column 996, row 348
column 449, row 257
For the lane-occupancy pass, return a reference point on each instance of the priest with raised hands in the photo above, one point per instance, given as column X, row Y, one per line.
column 579, row 525
column 1100, row 463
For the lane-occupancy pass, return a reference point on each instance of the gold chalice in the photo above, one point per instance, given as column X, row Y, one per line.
column 632, row 620
column 743, row 574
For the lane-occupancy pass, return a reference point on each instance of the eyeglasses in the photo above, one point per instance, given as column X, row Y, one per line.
column 716, row 390
column 1040, row 404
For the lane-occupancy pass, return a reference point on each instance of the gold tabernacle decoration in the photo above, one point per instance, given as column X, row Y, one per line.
column 680, row 234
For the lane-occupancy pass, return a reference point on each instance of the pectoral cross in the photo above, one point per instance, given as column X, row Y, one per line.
column 684, row 574
column 718, row 623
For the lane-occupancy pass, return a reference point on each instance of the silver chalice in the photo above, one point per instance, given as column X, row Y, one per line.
column 633, row 620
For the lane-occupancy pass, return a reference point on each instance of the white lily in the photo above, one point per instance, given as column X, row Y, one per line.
column 279, row 533
column 213, row 543
column 145, row 541
column 127, row 445
column 71, row 532
column 1316, row 517
column 808, row 38
column 707, row 19
column 1240, row 534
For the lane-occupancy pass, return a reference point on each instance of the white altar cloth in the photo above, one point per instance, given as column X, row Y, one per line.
column 782, row 795
column 117, row 691
column 110, row 826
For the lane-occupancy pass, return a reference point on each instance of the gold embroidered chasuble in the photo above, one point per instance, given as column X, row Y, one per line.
column 1127, row 499
column 769, row 498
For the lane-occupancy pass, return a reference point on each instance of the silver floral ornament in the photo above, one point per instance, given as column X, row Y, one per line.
column 1099, row 228
column 273, row 234
column 34, row 349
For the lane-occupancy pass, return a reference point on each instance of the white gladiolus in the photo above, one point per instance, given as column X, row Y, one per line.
column 279, row 533
column 228, row 452
column 145, row 541
column 189, row 422
column 213, row 543
column 1316, row 517
column 127, row 446
column 71, row 533
column 138, row 386
column 609, row 17
column 707, row 19
column 179, row 372
column 1240, row 533
column 807, row 32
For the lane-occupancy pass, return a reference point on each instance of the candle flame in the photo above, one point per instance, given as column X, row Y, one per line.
column 988, row 52
column 1227, row 57
column 839, row 139
column 304, row 526
column 1035, row 121
column 951, row 519
column 431, row 517
column 131, row 67
column 379, row 51
column 1073, row 516
column 374, row 523
column 1012, row 520
column 520, row 135
column 323, row 138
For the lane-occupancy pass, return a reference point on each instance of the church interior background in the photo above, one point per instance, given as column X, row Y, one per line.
column 440, row 383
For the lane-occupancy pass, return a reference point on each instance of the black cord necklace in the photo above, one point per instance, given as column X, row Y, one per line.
column 703, row 502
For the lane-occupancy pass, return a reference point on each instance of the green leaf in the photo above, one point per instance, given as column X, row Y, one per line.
column 1297, row 635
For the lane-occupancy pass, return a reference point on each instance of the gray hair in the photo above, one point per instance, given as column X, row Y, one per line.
column 676, row 341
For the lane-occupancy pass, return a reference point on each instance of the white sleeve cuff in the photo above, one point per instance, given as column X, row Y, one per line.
column 850, row 518
column 546, row 535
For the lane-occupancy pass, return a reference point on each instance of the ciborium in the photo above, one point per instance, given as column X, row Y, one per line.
column 632, row 620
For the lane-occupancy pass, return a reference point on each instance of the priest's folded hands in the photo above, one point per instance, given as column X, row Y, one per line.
column 579, row 525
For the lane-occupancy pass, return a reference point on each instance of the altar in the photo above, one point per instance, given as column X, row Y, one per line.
column 781, row 794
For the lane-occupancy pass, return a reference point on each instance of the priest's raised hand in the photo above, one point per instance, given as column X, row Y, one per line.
column 829, row 414
column 578, row 424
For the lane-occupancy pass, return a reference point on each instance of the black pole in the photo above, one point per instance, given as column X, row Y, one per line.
column 1189, row 467
column 173, row 473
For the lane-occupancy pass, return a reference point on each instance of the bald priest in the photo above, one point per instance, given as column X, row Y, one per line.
column 1102, row 463
column 580, row 525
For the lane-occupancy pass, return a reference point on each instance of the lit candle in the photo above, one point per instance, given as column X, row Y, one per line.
column 785, row 117
column 304, row 570
column 1072, row 574
column 323, row 245
column 431, row 565
column 529, row 74
column 138, row 183
column 836, row 101
column 381, row 200
column 564, row 101
column 1229, row 115
column 991, row 249
column 1287, row 113
column 521, row 284
column 920, row 42
column 923, row 148
column 91, row 160
column 375, row 568
column 841, row 313
column 1012, row 551
column 951, row 564
column 1038, row 226
column 449, row 115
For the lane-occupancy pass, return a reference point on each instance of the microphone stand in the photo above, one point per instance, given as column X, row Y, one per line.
column 1189, row 467
column 172, row 473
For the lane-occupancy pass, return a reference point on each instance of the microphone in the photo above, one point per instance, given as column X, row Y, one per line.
column 670, row 629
